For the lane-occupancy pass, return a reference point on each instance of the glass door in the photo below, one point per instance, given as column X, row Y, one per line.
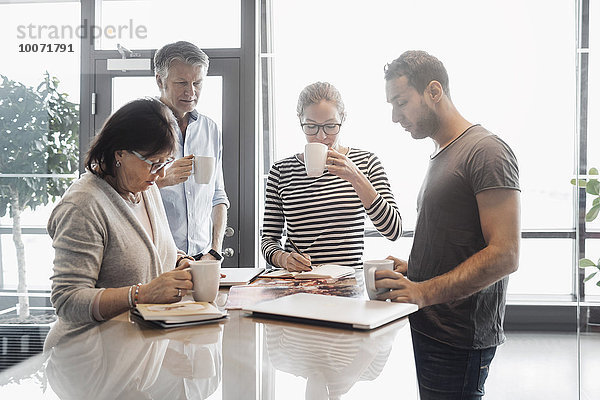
column 118, row 80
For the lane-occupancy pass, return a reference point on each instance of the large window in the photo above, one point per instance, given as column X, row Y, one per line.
column 149, row 24
column 512, row 68
column 37, row 39
column 55, row 37
column 592, row 135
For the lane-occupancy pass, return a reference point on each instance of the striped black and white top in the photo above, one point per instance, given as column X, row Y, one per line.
column 324, row 215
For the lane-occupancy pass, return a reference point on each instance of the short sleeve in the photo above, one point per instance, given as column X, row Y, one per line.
column 493, row 165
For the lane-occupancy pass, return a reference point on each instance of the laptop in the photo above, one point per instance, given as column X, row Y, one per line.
column 239, row 276
column 321, row 309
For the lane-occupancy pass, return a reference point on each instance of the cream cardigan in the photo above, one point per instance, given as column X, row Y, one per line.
column 99, row 243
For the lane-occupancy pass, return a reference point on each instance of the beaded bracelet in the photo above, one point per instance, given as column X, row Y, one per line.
column 129, row 296
column 136, row 294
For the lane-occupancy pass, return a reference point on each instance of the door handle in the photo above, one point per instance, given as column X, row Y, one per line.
column 228, row 252
column 229, row 231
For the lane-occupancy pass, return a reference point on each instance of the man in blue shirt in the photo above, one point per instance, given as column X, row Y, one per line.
column 197, row 213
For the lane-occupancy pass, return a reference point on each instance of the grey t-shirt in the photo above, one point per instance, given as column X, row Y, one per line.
column 448, row 231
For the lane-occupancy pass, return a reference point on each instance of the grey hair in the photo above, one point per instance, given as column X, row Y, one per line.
column 318, row 92
column 179, row 51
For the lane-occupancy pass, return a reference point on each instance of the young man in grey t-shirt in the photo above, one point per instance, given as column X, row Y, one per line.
column 467, row 234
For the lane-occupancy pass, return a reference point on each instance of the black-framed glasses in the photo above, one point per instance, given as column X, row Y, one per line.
column 154, row 166
column 328, row 129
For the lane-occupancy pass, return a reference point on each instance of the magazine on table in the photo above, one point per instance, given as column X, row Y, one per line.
column 268, row 289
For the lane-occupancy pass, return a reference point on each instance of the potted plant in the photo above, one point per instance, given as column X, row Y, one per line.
column 39, row 132
column 592, row 188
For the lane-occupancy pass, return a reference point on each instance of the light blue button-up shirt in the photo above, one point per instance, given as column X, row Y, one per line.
column 189, row 204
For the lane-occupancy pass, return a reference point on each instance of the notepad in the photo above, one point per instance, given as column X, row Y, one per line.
column 323, row 271
column 238, row 276
column 183, row 311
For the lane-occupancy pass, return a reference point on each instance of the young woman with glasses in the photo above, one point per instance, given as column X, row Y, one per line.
column 325, row 215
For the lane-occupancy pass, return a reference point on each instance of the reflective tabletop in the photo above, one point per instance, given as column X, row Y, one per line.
column 242, row 357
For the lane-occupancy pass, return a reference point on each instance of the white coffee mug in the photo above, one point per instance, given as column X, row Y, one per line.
column 315, row 157
column 204, row 167
column 369, row 268
column 205, row 277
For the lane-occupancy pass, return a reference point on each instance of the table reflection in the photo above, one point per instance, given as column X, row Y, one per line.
column 117, row 360
column 241, row 358
column 332, row 361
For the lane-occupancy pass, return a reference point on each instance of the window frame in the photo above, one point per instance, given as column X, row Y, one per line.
column 246, row 58
column 578, row 234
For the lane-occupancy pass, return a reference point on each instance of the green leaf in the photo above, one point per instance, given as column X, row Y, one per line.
column 592, row 214
column 593, row 187
column 34, row 126
column 586, row 262
column 596, row 201
column 598, row 283
column 582, row 183
column 590, row 276
column 593, row 171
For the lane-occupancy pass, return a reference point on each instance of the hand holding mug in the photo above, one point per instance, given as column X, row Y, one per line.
column 400, row 266
column 401, row 289
column 166, row 288
column 340, row 165
column 178, row 172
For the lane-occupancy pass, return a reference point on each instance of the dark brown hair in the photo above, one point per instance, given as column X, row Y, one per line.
column 145, row 125
column 420, row 68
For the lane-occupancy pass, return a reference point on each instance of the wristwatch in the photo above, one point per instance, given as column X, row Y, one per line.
column 215, row 254
column 212, row 252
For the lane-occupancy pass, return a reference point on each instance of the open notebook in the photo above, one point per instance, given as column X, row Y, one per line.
column 342, row 311
column 323, row 271
column 238, row 276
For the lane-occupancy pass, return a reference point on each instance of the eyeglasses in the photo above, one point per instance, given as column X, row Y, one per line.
column 154, row 166
column 328, row 129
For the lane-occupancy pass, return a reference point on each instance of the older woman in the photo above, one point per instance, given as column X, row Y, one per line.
column 325, row 215
column 112, row 243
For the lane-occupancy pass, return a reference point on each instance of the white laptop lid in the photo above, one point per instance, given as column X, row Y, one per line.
column 239, row 276
column 353, row 312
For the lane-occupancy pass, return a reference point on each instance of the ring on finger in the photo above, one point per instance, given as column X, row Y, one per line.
column 179, row 293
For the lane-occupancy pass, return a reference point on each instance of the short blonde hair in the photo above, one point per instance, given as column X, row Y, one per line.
column 318, row 92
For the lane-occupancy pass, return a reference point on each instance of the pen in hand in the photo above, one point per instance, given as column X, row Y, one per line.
column 296, row 249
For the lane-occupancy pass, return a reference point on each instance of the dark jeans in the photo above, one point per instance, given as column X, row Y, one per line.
column 449, row 373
